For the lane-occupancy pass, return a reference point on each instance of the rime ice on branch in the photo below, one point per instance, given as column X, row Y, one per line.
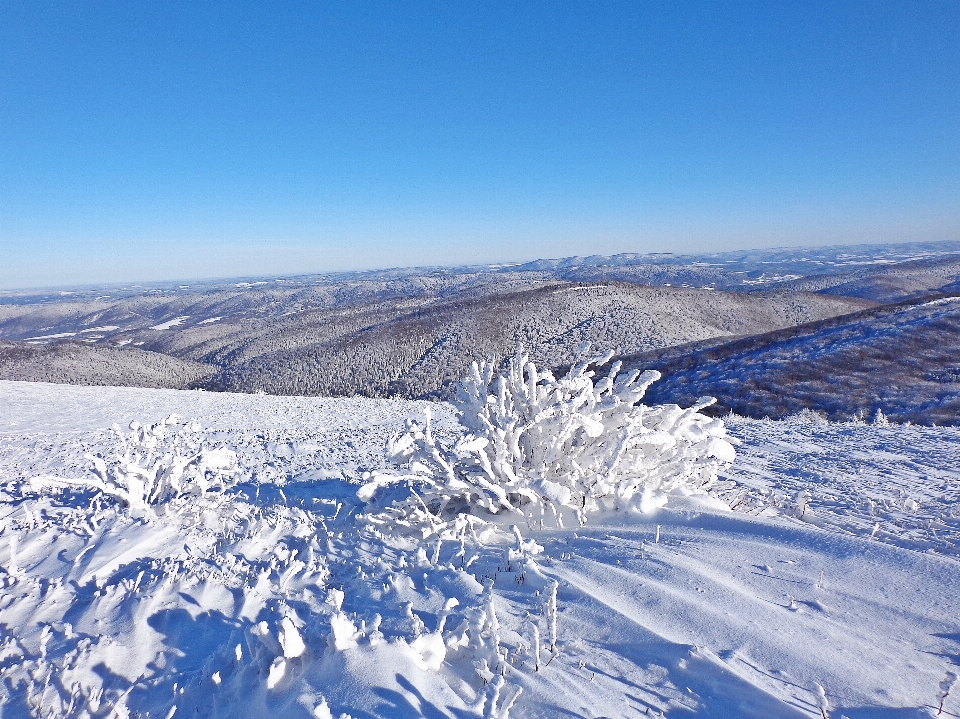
column 153, row 465
column 531, row 439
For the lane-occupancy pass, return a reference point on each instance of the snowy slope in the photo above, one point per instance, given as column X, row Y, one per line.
column 232, row 607
column 900, row 359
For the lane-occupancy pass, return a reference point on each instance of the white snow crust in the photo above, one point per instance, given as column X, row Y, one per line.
column 176, row 321
column 837, row 570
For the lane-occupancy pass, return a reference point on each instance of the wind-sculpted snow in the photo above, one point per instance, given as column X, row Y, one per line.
column 272, row 598
column 894, row 483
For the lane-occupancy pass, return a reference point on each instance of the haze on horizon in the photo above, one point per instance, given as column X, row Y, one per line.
column 156, row 141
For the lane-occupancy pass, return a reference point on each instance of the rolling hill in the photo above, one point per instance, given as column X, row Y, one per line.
column 900, row 359
column 424, row 351
column 412, row 331
column 86, row 364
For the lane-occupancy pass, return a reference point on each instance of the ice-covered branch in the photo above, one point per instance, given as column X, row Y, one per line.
column 154, row 464
column 531, row 439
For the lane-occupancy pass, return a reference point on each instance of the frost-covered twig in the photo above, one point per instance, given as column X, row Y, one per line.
column 946, row 684
column 822, row 703
column 535, row 645
column 552, row 615
column 154, row 464
column 531, row 439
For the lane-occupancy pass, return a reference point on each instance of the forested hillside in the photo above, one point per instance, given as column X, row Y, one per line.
column 411, row 331
column 422, row 352
column 80, row 363
column 903, row 360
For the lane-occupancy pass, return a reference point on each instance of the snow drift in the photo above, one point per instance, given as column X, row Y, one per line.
column 264, row 593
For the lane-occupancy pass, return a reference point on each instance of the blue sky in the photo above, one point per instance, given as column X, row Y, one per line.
column 149, row 140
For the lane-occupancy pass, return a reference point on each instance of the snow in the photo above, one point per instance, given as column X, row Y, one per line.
column 58, row 336
column 272, row 599
column 764, row 279
column 176, row 321
column 105, row 328
column 941, row 301
column 898, row 483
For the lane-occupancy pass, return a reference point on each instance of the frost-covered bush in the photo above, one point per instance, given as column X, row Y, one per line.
column 155, row 464
column 533, row 439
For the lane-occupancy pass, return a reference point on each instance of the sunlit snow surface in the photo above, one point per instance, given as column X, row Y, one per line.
column 854, row 585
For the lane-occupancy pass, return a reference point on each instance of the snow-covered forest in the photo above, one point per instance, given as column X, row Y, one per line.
column 411, row 346
column 413, row 332
column 900, row 360
column 91, row 364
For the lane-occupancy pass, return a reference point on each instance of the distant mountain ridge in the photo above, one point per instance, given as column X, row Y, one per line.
column 424, row 351
column 764, row 264
column 412, row 332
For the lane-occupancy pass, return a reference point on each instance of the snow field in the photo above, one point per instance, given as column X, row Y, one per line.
column 274, row 600
column 899, row 484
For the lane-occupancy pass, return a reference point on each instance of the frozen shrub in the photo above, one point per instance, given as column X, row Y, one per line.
column 946, row 684
column 880, row 419
column 809, row 416
column 823, row 704
column 533, row 439
column 155, row 464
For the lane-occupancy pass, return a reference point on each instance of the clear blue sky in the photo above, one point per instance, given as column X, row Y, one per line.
column 161, row 140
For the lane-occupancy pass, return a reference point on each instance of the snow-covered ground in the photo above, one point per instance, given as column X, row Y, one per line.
column 838, row 568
